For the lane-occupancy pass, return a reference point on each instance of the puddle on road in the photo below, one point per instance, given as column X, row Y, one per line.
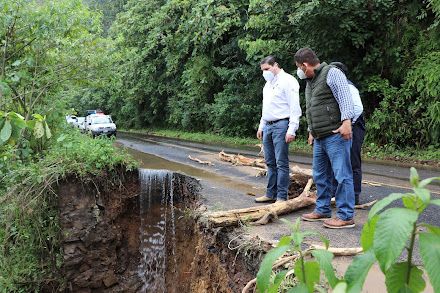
column 149, row 161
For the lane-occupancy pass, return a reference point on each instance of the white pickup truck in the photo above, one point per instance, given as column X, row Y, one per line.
column 97, row 124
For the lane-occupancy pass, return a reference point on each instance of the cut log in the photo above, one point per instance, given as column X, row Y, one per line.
column 252, row 214
column 345, row 251
column 242, row 160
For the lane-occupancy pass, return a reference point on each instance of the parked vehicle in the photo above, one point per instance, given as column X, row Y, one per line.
column 79, row 123
column 98, row 111
column 71, row 119
column 100, row 124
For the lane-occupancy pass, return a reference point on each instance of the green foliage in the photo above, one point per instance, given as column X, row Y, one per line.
column 307, row 272
column 44, row 47
column 383, row 239
column 30, row 247
column 193, row 65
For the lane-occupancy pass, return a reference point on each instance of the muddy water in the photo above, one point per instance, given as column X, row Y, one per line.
column 149, row 161
column 156, row 205
column 161, row 219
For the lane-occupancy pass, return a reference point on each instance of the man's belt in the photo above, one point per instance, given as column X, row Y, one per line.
column 275, row 121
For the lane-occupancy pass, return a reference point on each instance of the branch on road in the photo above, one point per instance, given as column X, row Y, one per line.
column 200, row 161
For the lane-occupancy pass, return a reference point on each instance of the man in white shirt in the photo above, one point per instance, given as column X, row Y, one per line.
column 278, row 124
column 358, row 130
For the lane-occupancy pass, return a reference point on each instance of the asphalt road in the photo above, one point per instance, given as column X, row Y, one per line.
column 225, row 186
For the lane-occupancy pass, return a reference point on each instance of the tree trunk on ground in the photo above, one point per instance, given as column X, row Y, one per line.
column 252, row 214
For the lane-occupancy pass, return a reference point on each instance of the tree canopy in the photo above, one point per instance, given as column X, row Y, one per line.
column 194, row 65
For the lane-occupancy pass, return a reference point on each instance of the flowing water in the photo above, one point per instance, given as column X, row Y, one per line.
column 157, row 234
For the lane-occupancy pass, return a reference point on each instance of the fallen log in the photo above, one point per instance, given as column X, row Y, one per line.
column 252, row 214
column 242, row 160
column 345, row 251
column 260, row 164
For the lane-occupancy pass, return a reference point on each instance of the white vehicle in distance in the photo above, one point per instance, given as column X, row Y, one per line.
column 100, row 124
column 80, row 123
column 71, row 119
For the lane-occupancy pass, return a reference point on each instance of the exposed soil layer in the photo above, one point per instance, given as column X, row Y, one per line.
column 101, row 241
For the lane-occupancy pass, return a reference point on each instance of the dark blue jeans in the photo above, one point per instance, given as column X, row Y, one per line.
column 276, row 154
column 356, row 157
column 331, row 155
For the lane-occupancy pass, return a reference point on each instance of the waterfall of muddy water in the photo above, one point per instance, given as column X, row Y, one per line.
column 157, row 228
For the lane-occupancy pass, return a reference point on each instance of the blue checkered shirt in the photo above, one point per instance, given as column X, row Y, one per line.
column 337, row 81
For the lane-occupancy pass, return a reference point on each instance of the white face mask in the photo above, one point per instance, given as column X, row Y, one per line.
column 301, row 74
column 268, row 75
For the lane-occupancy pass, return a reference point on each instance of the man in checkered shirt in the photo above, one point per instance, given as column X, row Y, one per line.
column 329, row 110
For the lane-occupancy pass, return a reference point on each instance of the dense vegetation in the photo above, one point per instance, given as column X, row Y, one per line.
column 46, row 51
column 194, row 65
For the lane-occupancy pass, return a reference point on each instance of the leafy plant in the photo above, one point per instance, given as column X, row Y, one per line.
column 307, row 272
column 384, row 238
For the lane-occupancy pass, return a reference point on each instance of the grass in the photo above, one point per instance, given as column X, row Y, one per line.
column 30, row 236
column 422, row 156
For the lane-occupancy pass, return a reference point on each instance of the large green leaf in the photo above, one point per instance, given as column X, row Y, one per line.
column 367, row 236
column 324, row 258
column 430, row 253
column 392, row 232
column 38, row 129
column 312, row 273
column 18, row 120
column 396, row 278
column 263, row 275
column 6, row 131
column 383, row 203
column 357, row 271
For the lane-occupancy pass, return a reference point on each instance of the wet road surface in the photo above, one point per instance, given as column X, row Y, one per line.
column 225, row 186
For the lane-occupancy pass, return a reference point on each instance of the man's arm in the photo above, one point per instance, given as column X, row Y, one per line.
column 291, row 91
column 337, row 81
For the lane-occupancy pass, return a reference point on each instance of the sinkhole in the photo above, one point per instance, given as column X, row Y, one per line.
column 141, row 237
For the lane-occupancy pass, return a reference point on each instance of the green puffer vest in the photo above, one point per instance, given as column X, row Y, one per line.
column 322, row 112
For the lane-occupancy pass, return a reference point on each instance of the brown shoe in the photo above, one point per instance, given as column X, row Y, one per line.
column 314, row 216
column 337, row 223
column 264, row 199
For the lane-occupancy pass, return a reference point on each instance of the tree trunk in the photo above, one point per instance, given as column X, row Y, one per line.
column 252, row 214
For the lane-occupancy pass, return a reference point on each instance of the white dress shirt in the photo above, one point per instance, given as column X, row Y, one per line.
column 281, row 100
column 357, row 102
